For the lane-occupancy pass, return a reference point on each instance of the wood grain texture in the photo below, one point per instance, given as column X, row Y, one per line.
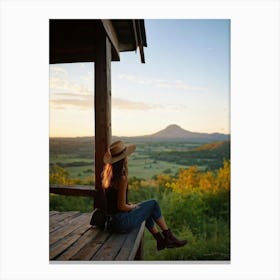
column 75, row 190
column 111, row 248
column 102, row 110
column 63, row 244
column 129, row 249
column 111, row 33
column 72, row 238
column 68, row 228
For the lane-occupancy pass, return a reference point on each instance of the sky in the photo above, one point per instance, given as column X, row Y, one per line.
column 185, row 81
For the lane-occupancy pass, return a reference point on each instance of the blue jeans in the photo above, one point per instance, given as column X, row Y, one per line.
column 147, row 210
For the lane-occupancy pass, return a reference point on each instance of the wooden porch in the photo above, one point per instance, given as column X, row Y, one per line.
column 71, row 237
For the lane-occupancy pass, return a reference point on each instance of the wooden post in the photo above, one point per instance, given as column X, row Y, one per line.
column 102, row 106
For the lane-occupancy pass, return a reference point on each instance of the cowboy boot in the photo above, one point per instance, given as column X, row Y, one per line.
column 160, row 241
column 171, row 241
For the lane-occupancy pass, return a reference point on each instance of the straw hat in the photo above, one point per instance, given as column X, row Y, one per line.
column 117, row 151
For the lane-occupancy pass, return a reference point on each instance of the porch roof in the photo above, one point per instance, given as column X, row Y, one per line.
column 75, row 40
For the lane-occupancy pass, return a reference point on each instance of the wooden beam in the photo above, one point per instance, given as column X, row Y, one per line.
column 112, row 35
column 141, row 49
column 135, row 34
column 140, row 251
column 137, row 250
column 138, row 39
column 76, row 190
column 102, row 106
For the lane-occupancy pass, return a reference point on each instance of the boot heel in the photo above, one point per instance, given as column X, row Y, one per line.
column 171, row 241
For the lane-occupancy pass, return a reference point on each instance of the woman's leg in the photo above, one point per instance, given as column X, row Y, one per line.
column 155, row 215
column 161, row 223
column 148, row 211
column 170, row 240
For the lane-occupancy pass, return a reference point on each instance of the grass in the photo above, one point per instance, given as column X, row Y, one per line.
column 80, row 172
column 202, row 246
column 146, row 168
column 208, row 233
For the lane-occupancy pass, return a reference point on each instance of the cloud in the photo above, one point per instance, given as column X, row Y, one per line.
column 177, row 107
column 88, row 77
column 58, row 71
column 161, row 83
column 60, row 82
column 64, row 85
column 66, row 101
column 85, row 102
column 66, row 94
column 125, row 104
column 178, row 84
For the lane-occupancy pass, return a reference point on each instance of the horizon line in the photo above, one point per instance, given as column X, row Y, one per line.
column 134, row 136
column 145, row 135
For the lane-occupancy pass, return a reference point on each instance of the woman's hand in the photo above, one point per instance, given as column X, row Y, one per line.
column 134, row 206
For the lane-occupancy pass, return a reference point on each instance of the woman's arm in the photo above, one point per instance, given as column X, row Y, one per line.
column 122, row 205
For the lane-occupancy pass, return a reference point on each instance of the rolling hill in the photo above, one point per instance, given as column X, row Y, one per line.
column 175, row 132
column 214, row 146
column 170, row 133
column 211, row 155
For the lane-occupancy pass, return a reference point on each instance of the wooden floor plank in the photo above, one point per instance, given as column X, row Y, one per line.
column 53, row 213
column 60, row 217
column 129, row 249
column 68, row 228
column 87, row 252
column 110, row 249
column 88, row 236
column 73, row 238
column 138, row 242
column 55, row 226
column 61, row 245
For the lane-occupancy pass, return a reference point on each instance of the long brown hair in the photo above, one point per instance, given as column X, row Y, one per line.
column 112, row 173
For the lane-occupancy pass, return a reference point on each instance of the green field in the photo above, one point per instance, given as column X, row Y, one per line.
column 150, row 158
column 146, row 168
column 141, row 163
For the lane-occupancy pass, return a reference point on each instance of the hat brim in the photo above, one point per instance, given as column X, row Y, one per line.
column 130, row 148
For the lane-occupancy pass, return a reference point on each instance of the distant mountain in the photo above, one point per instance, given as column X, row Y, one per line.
column 170, row 133
column 174, row 131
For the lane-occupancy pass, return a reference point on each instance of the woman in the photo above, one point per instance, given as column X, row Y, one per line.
column 126, row 216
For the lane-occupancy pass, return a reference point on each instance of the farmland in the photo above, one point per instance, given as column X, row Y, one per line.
column 76, row 155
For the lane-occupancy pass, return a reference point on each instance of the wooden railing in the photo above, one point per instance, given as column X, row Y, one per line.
column 75, row 190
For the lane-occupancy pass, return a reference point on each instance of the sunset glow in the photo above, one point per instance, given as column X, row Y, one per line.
column 184, row 81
